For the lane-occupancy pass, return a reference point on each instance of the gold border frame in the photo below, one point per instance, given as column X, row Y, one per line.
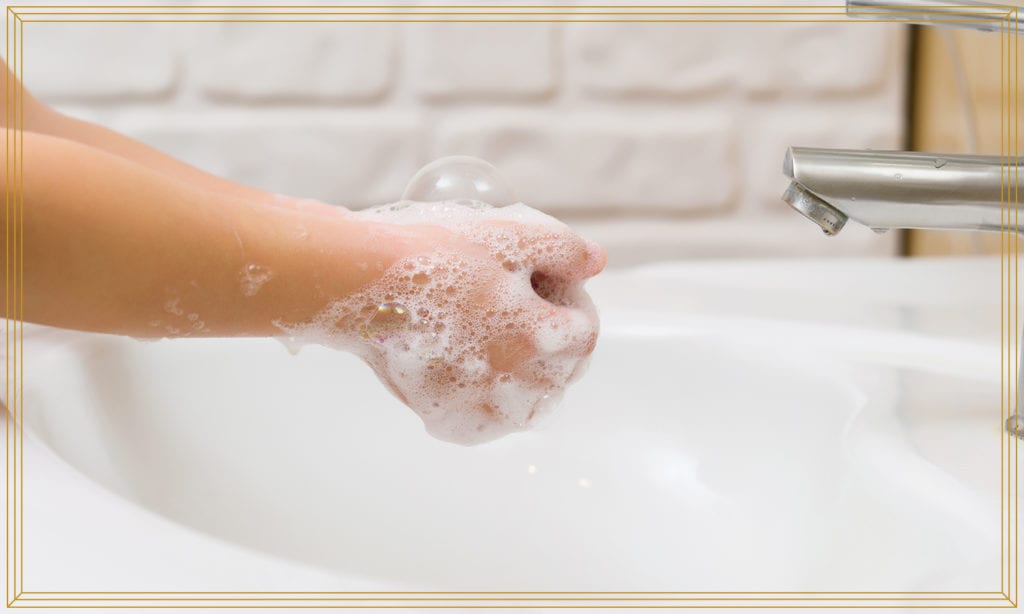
column 15, row 595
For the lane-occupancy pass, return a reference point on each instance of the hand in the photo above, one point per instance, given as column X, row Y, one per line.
column 479, row 328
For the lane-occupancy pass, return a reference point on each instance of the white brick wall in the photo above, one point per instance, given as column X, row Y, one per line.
column 662, row 140
column 516, row 61
column 256, row 62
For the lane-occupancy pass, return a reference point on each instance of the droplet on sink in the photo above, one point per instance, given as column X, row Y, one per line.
column 939, row 163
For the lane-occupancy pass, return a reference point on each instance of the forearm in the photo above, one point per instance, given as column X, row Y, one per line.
column 65, row 127
column 39, row 118
column 113, row 246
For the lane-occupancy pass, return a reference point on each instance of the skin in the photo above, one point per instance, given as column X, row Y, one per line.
column 120, row 238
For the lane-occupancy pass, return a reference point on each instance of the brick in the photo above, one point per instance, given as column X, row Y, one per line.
column 100, row 61
column 771, row 131
column 354, row 159
column 305, row 62
column 466, row 60
column 823, row 58
column 652, row 59
column 598, row 161
column 679, row 59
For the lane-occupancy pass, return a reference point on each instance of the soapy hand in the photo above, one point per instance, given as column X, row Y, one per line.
column 498, row 326
column 481, row 321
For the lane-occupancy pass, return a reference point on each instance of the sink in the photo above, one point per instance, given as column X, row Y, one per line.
column 744, row 426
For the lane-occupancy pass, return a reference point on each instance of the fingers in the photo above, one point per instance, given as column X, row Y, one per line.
column 562, row 255
column 564, row 330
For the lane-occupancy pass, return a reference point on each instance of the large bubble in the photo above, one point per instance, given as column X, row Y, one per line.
column 459, row 178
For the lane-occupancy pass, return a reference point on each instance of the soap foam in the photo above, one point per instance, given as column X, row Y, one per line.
column 473, row 372
column 252, row 277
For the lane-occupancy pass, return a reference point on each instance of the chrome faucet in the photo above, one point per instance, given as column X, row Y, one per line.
column 897, row 189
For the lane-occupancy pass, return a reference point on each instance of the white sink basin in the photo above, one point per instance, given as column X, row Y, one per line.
column 743, row 427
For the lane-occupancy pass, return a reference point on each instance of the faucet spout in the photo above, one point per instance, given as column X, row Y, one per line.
column 807, row 204
column 895, row 189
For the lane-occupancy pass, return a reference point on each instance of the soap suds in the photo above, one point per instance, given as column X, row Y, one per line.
column 252, row 278
column 473, row 372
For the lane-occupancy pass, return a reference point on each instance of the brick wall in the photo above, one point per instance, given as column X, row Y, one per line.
column 659, row 140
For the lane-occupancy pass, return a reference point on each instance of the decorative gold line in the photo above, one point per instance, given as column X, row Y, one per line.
column 15, row 392
column 19, row 299
column 993, row 593
column 524, row 606
column 1009, row 268
column 567, row 7
column 974, row 15
column 1003, row 395
column 1016, row 311
column 993, row 598
column 8, row 568
column 19, row 37
column 404, row 20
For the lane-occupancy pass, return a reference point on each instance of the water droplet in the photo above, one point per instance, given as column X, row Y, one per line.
column 899, row 176
column 939, row 163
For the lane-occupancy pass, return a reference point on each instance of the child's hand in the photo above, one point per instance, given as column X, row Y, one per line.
column 516, row 325
column 477, row 330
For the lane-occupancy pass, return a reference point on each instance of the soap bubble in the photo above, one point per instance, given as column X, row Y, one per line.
column 459, row 178
column 386, row 319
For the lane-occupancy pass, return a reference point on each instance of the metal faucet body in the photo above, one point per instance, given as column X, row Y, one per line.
column 895, row 189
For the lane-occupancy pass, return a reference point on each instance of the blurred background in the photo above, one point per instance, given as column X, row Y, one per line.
column 658, row 140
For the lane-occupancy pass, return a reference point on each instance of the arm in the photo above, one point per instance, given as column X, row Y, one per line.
column 136, row 252
column 42, row 119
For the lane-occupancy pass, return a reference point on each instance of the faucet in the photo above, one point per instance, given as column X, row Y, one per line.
column 897, row 189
